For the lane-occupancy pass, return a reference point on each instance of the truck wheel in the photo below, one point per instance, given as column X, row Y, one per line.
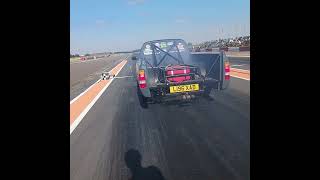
column 142, row 100
column 206, row 94
column 207, row 91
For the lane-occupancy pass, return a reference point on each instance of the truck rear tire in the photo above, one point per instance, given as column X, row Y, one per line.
column 207, row 92
column 142, row 100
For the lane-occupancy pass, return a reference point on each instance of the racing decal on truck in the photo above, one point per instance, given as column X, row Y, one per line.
column 147, row 50
column 180, row 47
column 163, row 45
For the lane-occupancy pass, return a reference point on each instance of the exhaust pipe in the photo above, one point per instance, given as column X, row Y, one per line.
column 184, row 97
column 188, row 96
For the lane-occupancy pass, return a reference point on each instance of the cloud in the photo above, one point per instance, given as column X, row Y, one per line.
column 103, row 23
column 135, row 2
column 144, row 14
column 180, row 32
column 100, row 22
column 180, row 21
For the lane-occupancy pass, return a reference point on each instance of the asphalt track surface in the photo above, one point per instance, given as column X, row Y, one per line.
column 84, row 73
column 240, row 62
column 205, row 140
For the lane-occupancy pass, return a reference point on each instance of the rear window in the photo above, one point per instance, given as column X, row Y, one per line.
column 177, row 50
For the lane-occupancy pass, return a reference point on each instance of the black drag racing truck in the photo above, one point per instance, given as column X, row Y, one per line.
column 166, row 70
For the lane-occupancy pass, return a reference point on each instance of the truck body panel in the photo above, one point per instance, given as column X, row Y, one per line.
column 166, row 69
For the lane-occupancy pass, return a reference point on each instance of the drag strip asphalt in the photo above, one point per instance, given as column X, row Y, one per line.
column 84, row 74
column 209, row 139
column 240, row 62
column 80, row 105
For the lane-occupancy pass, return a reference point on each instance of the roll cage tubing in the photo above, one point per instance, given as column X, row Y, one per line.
column 166, row 53
column 175, row 45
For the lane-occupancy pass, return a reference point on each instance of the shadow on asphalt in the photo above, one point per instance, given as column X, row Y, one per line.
column 133, row 161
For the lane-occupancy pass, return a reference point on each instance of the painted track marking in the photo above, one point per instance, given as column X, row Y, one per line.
column 240, row 73
column 83, row 103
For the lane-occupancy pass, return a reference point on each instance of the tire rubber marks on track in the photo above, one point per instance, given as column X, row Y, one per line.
column 82, row 104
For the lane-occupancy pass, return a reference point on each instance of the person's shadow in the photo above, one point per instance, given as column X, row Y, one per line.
column 133, row 162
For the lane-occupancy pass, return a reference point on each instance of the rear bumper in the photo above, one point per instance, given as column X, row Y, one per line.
column 179, row 96
column 162, row 91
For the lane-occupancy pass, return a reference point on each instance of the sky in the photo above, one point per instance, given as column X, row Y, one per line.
column 124, row 25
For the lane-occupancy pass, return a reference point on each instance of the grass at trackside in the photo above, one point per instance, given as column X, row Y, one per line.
column 74, row 59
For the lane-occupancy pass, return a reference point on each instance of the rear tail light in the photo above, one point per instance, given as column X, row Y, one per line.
column 227, row 71
column 142, row 79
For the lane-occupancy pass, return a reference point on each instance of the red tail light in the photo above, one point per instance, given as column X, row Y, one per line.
column 142, row 79
column 227, row 71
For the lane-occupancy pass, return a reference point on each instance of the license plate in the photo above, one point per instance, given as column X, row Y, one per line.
column 184, row 88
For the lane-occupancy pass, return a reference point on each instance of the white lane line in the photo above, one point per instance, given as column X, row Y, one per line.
column 121, row 77
column 86, row 110
column 236, row 65
column 234, row 56
column 240, row 77
column 240, row 70
column 74, row 99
